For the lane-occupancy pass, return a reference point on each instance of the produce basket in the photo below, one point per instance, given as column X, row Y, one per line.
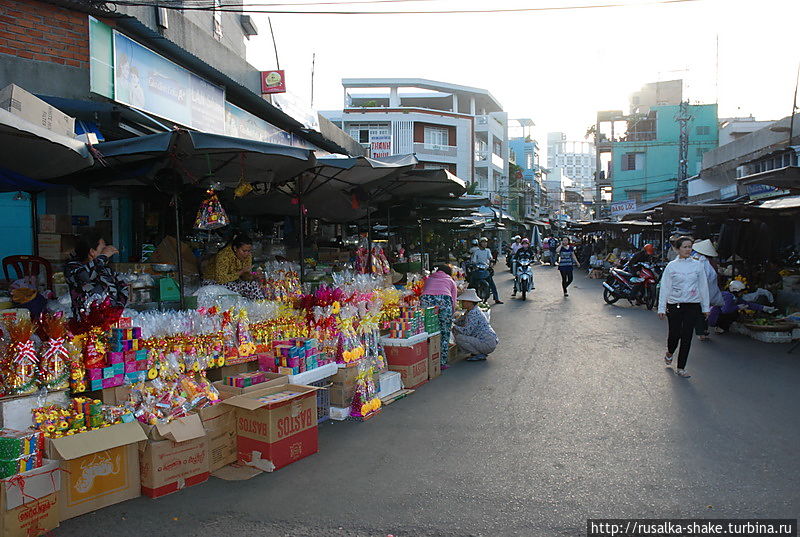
column 779, row 326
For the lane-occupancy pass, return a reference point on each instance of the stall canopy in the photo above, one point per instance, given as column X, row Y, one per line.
column 199, row 157
column 31, row 152
column 439, row 184
column 787, row 177
column 335, row 190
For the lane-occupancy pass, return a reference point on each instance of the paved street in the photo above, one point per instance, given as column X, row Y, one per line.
column 574, row 416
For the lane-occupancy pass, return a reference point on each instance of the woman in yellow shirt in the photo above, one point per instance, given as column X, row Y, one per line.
column 232, row 267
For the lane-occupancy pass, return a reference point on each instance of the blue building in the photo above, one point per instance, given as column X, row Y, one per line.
column 525, row 189
column 644, row 165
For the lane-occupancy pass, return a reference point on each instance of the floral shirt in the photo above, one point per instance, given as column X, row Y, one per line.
column 225, row 267
column 474, row 323
column 93, row 282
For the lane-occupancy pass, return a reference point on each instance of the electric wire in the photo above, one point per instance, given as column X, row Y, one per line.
column 243, row 9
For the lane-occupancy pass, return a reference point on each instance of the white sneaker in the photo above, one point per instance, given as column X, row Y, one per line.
column 682, row 373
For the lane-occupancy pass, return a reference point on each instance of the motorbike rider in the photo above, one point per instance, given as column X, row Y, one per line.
column 483, row 259
column 645, row 255
column 525, row 252
column 517, row 244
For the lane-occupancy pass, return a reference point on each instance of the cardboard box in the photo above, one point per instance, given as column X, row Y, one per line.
column 220, row 373
column 225, row 391
column 30, row 108
column 435, row 356
column 55, row 223
column 50, row 246
column 270, row 436
column 406, row 355
column 167, row 466
column 413, row 375
column 33, row 511
column 453, row 356
column 343, row 386
column 219, row 422
column 15, row 412
column 101, row 467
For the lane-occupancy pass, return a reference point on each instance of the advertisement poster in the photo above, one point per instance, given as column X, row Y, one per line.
column 242, row 124
column 624, row 206
column 273, row 81
column 151, row 83
column 380, row 145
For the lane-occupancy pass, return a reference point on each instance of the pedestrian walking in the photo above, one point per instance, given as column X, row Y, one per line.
column 566, row 263
column 440, row 291
column 472, row 332
column 682, row 299
column 705, row 252
column 552, row 245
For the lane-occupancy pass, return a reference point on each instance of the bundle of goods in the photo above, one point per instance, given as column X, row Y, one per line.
column 162, row 400
column 20, row 451
column 54, row 368
column 281, row 281
column 410, row 323
column 245, row 380
column 297, row 355
column 431, row 316
column 365, row 400
column 124, row 362
column 21, row 359
column 82, row 414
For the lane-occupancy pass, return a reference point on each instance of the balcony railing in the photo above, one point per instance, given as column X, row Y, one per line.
column 436, row 149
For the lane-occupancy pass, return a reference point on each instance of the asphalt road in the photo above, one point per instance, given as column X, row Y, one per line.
column 575, row 416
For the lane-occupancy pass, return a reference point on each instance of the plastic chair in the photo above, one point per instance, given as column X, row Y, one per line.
column 28, row 265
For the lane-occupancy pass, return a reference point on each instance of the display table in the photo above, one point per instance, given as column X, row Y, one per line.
column 322, row 372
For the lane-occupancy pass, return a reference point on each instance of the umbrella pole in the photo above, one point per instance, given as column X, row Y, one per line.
column 369, row 238
column 176, row 202
column 302, row 240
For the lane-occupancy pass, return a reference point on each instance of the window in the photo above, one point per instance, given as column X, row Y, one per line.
column 703, row 130
column 436, row 137
column 632, row 161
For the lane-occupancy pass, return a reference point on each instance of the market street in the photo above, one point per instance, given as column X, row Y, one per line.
column 574, row 417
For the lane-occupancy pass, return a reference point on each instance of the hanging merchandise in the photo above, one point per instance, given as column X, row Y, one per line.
column 54, row 369
column 211, row 215
column 19, row 373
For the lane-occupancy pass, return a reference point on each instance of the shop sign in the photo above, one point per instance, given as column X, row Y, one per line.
column 624, row 206
column 151, row 83
column 764, row 191
column 273, row 81
column 242, row 124
column 380, row 145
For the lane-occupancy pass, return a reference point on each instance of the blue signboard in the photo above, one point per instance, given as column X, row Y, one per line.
column 151, row 83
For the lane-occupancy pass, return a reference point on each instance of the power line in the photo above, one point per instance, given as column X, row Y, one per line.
column 242, row 9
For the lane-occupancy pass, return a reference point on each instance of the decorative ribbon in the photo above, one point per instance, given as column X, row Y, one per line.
column 26, row 350
column 56, row 349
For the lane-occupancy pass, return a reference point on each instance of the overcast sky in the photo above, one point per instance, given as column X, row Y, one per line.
column 556, row 67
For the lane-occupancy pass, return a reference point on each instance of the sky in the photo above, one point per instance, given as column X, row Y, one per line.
column 556, row 67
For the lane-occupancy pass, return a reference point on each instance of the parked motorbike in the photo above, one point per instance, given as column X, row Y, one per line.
column 524, row 277
column 638, row 287
column 478, row 278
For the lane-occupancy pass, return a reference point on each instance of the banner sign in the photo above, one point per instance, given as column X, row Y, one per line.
column 151, row 83
column 273, row 81
column 380, row 145
column 624, row 206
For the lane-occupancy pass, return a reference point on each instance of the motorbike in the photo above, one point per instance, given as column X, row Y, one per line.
column 509, row 260
column 637, row 288
column 524, row 277
column 478, row 278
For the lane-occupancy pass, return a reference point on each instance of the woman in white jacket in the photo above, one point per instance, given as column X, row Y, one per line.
column 682, row 300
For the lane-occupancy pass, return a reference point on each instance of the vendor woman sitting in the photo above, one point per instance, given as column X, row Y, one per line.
column 232, row 267
column 472, row 332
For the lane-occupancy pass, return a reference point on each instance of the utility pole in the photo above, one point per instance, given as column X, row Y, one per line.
column 598, row 198
column 683, row 118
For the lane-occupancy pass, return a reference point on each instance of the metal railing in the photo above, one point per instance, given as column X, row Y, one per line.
column 436, row 149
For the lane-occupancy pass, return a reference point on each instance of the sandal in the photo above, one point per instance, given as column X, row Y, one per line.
column 667, row 359
column 704, row 337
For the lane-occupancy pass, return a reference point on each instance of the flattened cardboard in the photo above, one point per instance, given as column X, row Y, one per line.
column 179, row 429
column 219, row 422
column 236, row 472
column 80, row 445
column 167, row 466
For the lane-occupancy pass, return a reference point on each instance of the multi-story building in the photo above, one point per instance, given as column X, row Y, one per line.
column 459, row 128
column 576, row 161
column 667, row 92
column 525, row 186
column 733, row 128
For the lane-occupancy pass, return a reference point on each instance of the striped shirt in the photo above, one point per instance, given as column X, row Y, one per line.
column 565, row 259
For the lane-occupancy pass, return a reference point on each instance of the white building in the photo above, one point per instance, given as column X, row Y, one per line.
column 573, row 164
column 459, row 128
column 733, row 128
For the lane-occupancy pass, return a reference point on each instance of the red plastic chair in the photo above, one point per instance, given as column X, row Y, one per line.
column 28, row 265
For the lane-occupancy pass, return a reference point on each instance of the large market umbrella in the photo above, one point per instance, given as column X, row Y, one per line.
column 31, row 151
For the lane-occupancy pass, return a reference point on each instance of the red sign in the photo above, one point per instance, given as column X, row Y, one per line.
column 273, row 81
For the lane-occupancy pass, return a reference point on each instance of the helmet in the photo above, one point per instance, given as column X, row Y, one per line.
column 474, row 241
column 525, row 241
column 515, row 237
column 735, row 286
column 649, row 249
column 484, row 239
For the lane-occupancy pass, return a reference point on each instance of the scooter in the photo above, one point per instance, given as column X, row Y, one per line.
column 524, row 277
column 639, row 288
column 478, row 278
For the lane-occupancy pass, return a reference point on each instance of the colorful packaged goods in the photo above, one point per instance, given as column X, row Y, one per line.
column 81, row 415
column 245, row 380
column 20, row 451
column 54, row 372
column 19, row 371
column 297, row 355
column 162, row 400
